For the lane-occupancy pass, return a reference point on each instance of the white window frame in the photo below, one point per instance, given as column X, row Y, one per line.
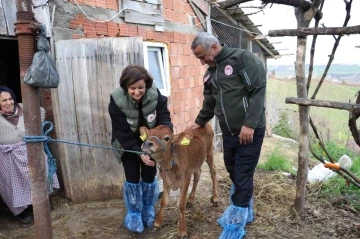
column 165, row 70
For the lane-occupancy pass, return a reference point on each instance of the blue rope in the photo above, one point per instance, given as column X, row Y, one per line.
column 50, row 160
column 45, row 138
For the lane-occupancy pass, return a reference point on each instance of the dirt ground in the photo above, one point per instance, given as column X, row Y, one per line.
column 273, row 205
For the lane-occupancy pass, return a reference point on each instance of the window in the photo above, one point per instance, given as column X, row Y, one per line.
column 156, row 60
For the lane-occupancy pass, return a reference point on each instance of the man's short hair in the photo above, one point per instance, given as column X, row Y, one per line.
column 205, row 40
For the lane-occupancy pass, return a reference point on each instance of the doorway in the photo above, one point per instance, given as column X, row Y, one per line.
column 9, row 66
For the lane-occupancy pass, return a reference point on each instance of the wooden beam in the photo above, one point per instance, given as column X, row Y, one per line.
column 258, row 37
column 323, row 103
column 315, row 31
column 275, row 42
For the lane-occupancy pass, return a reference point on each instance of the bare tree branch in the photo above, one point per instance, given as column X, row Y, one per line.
column 302, row 4
column 336, row 44
column 323, row 103
column 315, row 31
column 352, row 123
column 318, row 17
column 322, row 145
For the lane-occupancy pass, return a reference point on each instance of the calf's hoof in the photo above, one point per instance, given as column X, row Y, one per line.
column 214, row 202
column 155, row 229
column 183, row 237
column 189, row 205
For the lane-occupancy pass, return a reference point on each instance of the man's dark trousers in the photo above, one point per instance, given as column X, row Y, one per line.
column 240, row 161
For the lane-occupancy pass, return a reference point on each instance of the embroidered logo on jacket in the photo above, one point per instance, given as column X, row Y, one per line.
column 151, row 117
column 228, row 70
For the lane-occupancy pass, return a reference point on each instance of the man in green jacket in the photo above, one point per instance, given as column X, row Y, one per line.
column 234, row 91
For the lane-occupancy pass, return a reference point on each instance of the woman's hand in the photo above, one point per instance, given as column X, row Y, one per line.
column 147, row 161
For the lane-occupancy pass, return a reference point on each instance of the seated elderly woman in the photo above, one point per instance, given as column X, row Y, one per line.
column 14, row 172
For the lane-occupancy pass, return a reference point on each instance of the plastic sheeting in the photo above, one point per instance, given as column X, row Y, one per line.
column 150, row 196
column 42, row 72
column 233, row 221
column 134, row 205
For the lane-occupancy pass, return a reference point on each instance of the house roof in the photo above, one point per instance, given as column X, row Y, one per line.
column 244, row 21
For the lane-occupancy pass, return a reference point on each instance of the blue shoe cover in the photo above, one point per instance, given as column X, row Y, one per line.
column 251, row 216
column 251, row 207
column 233, row 222
column 134, row 205
column 150, row 197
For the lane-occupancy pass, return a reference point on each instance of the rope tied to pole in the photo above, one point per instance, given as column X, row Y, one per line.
column 46, row 139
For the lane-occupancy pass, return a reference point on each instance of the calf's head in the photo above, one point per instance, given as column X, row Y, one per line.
column 160, row 142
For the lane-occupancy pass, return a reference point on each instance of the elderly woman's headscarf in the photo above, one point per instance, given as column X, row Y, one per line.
column 13, row 117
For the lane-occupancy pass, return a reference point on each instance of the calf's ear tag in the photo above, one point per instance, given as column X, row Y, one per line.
column 143, row 137
column 185, row 141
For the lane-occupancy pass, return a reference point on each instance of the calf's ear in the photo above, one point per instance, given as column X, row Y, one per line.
column 144, row 133
column 183, row 138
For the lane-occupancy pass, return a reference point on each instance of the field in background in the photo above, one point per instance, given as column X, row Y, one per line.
column 332, row 123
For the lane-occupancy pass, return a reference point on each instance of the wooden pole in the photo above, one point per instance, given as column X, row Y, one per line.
column 315, row 31
column 323, row 103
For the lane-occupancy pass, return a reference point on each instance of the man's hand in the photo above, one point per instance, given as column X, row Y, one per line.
column 193, row 126
column 246, row 135
column 147, row 161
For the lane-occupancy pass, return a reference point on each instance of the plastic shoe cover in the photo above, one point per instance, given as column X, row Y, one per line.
column 233, row 221
column 150, row 196
column 134, row 205
column 251, row 207
column 251, row 216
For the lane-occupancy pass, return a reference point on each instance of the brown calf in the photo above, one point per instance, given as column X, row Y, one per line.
column 179, row 157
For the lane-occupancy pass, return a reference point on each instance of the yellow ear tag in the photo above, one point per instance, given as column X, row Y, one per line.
column 185, row 141
column 143, row 137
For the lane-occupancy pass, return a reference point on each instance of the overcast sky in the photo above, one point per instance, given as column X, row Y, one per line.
column 283, row 17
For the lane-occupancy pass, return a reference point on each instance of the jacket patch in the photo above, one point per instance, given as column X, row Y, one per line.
column 151, row 117
column 206, row 78
column 228, row 70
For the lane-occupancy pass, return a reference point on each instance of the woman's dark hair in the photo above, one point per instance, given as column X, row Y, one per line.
column 4, row 88
column 134, row 73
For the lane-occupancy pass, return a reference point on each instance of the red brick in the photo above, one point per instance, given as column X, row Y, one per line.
column 176, row 5
column 150, row 34
column 176, row 107
column 76, row 23
column 181, row 83
column 77, row 36
column 124, row 30
column 159, row 36
column 178, row 96
column 183, row 38
column 175, row 84
column 112, row 4
column 192, row 81
column 133, row 30
column 175, row 72
column 89, row 27
column 100, row 3
column 175, row 120
column 90, row 3
column 182, row 106
column 101, row 28
column 113, row 29
column 173, row 60
column 173, row 49
column 142, row 32
column 91, row 35
column 187, row 116
column 176, row 37
column 170, row 36
column 171, row 108
column 180, row 49
column 182, row 72
column 168, row 14
column 168, row 4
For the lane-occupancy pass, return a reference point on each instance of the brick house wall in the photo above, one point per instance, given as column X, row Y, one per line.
column 186, row 72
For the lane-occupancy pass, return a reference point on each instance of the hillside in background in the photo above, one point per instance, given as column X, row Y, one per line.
column 337, row 73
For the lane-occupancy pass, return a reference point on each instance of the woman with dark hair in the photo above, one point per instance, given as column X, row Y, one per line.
column 14, row 172
column 137, row 102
